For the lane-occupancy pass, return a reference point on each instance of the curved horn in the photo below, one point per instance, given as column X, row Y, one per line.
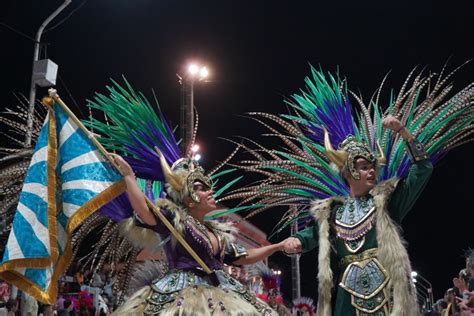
column 174, row 181
column 338, row 157
column 381, row 159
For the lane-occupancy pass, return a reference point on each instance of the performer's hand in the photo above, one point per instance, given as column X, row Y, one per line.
column 124, row 167
column 292, row 245
column 391, row 122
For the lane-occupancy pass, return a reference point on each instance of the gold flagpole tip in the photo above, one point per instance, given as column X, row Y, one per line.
column 48, row 101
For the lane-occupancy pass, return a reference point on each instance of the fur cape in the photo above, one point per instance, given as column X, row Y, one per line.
column 391, row 253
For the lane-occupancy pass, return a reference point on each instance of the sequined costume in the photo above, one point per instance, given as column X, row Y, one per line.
column 360, row 277
column 185, row 288
column 188, row 285
column 363, row 266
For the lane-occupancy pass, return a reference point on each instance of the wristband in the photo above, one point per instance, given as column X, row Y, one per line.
column 416, row 151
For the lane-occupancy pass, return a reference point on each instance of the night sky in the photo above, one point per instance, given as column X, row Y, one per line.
column 258, row 53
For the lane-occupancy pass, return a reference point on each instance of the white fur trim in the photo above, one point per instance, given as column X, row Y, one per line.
column 391, row 253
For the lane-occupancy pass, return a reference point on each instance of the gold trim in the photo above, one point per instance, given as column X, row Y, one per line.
column 361, row 244
column 174, row 232
column 338, row 157
column 362, row 265
column 366, row 254
column 93, row 204
column 51, row 187
column 238, row 254
column 176, row 182
column 25, row 263
column 57, row 263
column 383, row 305
column 359, row 222
column 25, row 285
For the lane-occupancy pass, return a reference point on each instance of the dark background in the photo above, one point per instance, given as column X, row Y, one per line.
column 258, row 53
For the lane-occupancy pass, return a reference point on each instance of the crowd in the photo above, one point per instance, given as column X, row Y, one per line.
column 81, row 293
column 459, row 299
column 87, row 293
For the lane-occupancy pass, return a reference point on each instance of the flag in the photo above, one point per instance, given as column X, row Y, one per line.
column 67, row 180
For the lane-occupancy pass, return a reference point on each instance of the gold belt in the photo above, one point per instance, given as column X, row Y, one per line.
column 367, row 254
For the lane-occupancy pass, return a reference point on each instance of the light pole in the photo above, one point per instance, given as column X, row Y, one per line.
column 194, row 72
column 295, row 262
column 31, row 108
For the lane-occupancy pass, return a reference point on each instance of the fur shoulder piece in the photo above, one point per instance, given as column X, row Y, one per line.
column 139, row 237
column 145, row 273
column 179, row 214
column 142, row 237
column 322, row 208
column 385, row 188
column 226, row 229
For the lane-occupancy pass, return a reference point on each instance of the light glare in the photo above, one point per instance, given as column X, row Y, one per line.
column 195, row 148
column 193, row 69
column 203, row 72
column 197, row 157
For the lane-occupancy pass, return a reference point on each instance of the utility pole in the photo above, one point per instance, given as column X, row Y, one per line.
column 31, row 108
column 186, row 113
column 194, row 73
column 295, row 263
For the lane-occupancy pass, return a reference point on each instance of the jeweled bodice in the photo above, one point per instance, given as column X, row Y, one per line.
column 354, row 218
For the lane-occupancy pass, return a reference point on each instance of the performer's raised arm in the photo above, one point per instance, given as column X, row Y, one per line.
column 408, row 189
column 135, row 195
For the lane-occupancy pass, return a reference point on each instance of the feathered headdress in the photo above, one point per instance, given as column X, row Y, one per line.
column 139, row 132
column 271, row 283
column 304, row 305
column 324, row 119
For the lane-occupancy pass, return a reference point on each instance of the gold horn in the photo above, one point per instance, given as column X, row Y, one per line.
column 174, row 181
column 381, row 159
column 338, row 157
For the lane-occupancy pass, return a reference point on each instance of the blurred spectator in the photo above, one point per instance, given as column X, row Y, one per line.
column 97, row 280
column 4, row 292
column 12, row 307
column 450, row 300
column 60, row 302
column 438, row 308
column 46, row 310
column 470, row 268
column 461, row 282
column 86, row 299
column 103, row 307
column 108, row 288
column 68, row 306
column 29, row 305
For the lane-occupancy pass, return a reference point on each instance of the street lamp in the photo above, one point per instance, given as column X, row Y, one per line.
column 194, row 72
column 42, row 70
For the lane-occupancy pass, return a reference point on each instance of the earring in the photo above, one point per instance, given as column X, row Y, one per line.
column 190, row 205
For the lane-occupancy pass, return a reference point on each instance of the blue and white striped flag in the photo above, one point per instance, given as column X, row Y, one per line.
column 67, row 180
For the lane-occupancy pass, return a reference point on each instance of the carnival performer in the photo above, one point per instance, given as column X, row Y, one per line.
column 363, row 228
column 185, row 288
column 183, row 194
column 271, row 288
column 357, row 194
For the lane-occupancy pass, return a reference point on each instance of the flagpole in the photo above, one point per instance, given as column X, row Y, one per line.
column 47, row 101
